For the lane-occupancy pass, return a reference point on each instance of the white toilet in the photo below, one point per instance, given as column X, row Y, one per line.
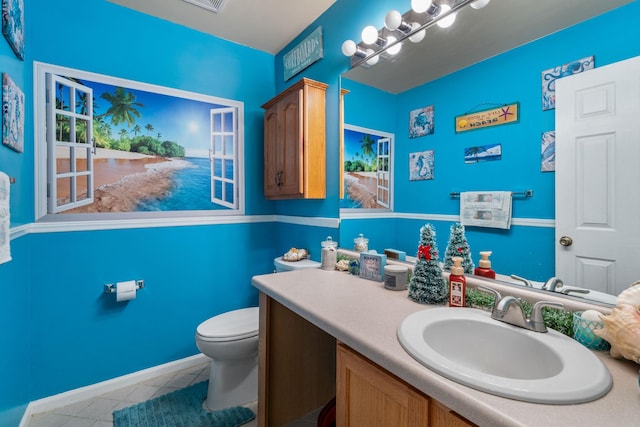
column 282, row 265
column 231, row 341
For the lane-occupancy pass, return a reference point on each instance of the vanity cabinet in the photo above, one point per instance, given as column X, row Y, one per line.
column 294, row 142
column 367, row 395
column 301, row 367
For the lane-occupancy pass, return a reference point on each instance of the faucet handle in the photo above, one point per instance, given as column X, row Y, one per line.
column 537, row 319
column 496, row 295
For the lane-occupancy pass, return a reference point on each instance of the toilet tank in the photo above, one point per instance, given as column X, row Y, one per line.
column 282, row 265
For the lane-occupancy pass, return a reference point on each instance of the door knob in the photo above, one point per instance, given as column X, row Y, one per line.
column 566, row 241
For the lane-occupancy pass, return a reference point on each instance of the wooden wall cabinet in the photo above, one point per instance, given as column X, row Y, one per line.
column 294, row 142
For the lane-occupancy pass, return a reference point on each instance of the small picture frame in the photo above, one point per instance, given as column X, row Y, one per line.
column 421, row 122
column 13, row 25
column 12, row 114
column 372, row 266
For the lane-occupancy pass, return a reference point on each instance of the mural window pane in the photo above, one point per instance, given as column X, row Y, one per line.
column 228, row 169
column 228, row 145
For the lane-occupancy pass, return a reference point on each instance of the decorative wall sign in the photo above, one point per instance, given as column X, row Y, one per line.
column 13, row 25
column 421, row 165
column 421, row 122
column 12, row 114
column 550, row 76
column 304, row 54
column 484, row 153
column 503, row 115
column 548, row 150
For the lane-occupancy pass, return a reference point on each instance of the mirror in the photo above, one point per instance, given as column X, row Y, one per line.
column 448, row 71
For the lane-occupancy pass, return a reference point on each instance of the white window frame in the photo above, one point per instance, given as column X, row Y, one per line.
column 381, row 173
column 40, row 147
column 222, row 155
column 379, row 135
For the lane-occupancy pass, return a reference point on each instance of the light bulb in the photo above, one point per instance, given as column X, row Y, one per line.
column 449, row 20
column 374, row 59
column 420, row 6
column 349, row 48
column 419, row 36
column 479, row 4
column 393, row 50
column 392, row 20
column 369, row 34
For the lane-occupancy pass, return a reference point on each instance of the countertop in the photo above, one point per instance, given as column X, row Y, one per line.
column 365, row 316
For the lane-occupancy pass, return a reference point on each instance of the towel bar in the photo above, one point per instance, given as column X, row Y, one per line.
column 525, row 194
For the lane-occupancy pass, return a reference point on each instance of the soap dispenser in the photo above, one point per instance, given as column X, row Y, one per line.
column 484, row 266
column 457, row 284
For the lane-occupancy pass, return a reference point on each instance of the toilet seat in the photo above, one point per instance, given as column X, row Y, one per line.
column 231, row 326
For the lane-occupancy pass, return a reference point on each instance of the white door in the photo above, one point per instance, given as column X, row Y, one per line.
column 598, row 177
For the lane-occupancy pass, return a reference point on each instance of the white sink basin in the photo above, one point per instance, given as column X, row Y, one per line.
column 467, row 346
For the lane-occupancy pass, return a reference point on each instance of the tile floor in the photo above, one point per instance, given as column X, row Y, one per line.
column 97, row 412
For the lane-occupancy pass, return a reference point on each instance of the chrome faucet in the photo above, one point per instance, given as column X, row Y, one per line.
column 509, row 309
column 552, row 284
column 526, row 282
column 568, row 289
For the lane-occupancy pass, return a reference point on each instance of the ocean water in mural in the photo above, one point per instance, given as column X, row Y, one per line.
column 191, row 189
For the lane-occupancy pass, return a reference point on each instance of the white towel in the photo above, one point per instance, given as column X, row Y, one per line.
column 486, row 209
column 5, row 231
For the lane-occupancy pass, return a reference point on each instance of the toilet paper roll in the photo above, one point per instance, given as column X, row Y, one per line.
column 126, row 291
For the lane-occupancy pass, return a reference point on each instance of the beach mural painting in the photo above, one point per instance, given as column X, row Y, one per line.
column 151, row 148
column 368, row 169
column 421, row 165
column 483, row 153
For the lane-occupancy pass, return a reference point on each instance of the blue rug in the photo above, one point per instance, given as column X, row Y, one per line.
column 181, row 408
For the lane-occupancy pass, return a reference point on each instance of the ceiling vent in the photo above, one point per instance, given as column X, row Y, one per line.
column 215, row 6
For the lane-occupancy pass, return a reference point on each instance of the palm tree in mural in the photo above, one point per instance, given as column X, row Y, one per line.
column 368, row 153
column 123, row 133
column 159, row 135
column 149, row 128
column 136, row 130
column 471, row 152
column 123, row 107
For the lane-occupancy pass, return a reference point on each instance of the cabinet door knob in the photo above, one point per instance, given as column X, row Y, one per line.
column 566, row 241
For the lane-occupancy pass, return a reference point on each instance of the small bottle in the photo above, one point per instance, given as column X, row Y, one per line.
column 457, row 284
column 484, row 266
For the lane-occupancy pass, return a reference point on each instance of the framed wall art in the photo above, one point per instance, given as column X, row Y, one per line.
column 550, row 76
column 421, row 122
column 13, row 25
column 12, row 114
column 421, row 165
column 548, row 151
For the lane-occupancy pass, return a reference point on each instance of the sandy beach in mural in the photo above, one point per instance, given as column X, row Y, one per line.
column 361, row 188
column 122, row 179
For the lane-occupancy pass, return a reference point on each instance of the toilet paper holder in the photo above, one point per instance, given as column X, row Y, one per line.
column 110, row 288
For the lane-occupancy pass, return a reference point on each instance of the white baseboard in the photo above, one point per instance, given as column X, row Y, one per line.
column 88, row 392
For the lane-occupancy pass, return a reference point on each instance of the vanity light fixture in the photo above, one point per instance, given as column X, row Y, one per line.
column 447, row 21
column 411, row 25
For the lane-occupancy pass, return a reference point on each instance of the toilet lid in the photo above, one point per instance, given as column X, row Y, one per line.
column 233, row 325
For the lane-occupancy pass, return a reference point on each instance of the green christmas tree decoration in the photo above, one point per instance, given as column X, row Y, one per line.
column 427, row 286
column 458, row 246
